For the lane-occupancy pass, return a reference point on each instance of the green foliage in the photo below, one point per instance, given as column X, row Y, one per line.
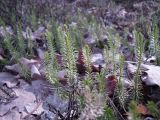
column 96, row 29
column 154, row 46
column 51, row 48
column 82, row 102
column 121, row 66
column 25, row 73
column 21, row 45
column 87, row 58
column 65, row 39
column 154, row 35
column 50, row 60
column 88, row 65
column 7, row 44
column 108, row 114
column 133, row 113
column 30, row 43
column 3, row 63
column 2, row 23
column 121, row 91
column 54, row 29
column 139, row 49
column 154, row 110
column 16, row 46
column 9, row 14
column 100, row 77
column 82, row 22
column 113, row 42
column 77, row 36
column 68, row 52
column 12, row 51
column 33, row 19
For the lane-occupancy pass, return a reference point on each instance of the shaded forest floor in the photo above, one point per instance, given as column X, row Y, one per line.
column 80, row 60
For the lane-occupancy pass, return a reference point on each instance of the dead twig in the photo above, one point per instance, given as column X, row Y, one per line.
column 115, row 108
column 57, row 112
column 29, row 114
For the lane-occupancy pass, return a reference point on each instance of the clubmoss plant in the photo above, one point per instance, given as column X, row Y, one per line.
column 54, row 30
column 154, row 46
column 121, row 91
column 88, row 65
column 17, row 46
column 153, row 109
column 100, row 77
column 12, row 50
column 33, row 19
column 20, row 41
column 77, row 36
column 51, row 62
column 133, row 112
column 2, row 23
column 139, row 49
column 113, row 42
column 30, row 43
column 68, row 52
column 25, row 73
column 108, row 114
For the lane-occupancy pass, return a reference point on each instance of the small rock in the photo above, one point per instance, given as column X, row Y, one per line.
column 35, row 74
column 16, row 68
column 8, row 79
column 31, row 106
column 40, row 53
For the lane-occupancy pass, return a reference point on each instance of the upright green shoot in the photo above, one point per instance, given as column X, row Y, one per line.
column 68, row 52
column 153, row 109
column 88, row 65
column 139, row 48
column 51, row 62
column 121, row 91
column 133, row 112
column 154, row 46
